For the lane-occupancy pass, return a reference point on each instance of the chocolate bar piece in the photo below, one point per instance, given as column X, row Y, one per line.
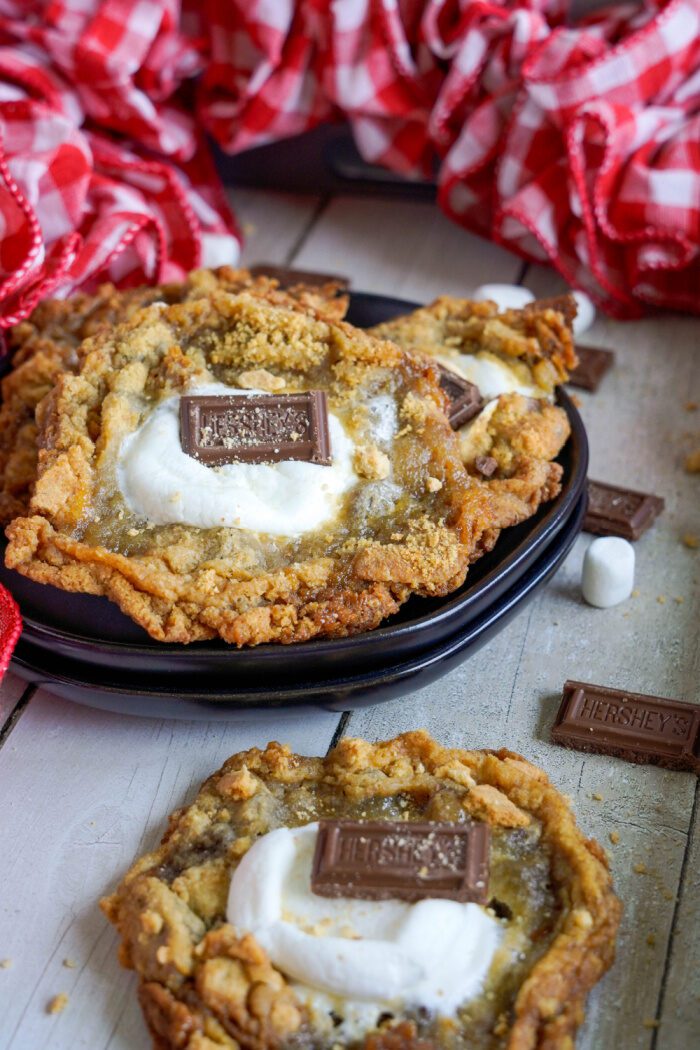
column 486, row 465
column 288, row 277
column 465, row 397
column 257, row 428
column 629, row 725
column 593, row 363
column 615, row 511
column 379, row 860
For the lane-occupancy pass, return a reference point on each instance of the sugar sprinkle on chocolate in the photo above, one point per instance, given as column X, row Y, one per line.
column 257, row 428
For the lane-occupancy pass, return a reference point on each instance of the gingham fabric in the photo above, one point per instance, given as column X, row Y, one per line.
column 578, row 144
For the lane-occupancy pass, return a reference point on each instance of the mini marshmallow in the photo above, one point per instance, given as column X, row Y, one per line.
column 608, row 572
column 585, row 313
column 506, row 296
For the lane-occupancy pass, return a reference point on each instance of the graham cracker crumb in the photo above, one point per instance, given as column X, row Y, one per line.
column 614, row 837
column 635, row 592
column 692, row 462
column 651, row 939
column 576, row 400
column 5, row 964
column 691, row 540
column 433, row 484
column 668, row 895
column 370, row 462
column 70, row 964
column 597, row 796
column 650, row 1022
column 679, row 599
column 691, row 406
column 640, row 869
column 261, row 379
column 661, row 599
column 57, row 1004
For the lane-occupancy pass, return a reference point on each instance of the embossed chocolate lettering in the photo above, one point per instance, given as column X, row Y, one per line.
column 377, row 860
column 640, row 728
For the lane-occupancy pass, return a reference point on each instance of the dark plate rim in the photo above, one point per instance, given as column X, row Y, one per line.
column 299, row 694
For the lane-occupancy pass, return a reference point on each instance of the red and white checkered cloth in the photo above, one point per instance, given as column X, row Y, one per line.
column 574, row 144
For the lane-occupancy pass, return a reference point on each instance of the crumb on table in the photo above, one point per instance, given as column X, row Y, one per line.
column 614, row 837
column 57, row 1004
column 5, row 964
column 691, row 540
column 640, row 868
column 692, row 462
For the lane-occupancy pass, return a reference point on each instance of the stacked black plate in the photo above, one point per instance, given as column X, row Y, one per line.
column 83, row 648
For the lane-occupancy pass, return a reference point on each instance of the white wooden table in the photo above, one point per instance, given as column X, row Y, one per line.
column 82, row 791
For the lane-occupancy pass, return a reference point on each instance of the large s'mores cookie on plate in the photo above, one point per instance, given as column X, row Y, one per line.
column 272, row 548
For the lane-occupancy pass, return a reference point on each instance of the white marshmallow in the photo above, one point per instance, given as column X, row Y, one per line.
column 585, row 313
column 358, row 958
column 608, row 572
column 506, row 296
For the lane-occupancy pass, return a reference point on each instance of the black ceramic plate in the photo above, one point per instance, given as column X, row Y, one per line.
column 159, row 697
column 94, row 631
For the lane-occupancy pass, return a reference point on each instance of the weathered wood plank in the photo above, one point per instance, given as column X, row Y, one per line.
column 402, row 248
column 272, row 224
column 12, row 689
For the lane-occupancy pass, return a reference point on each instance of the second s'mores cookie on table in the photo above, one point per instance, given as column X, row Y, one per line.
column 392, row 896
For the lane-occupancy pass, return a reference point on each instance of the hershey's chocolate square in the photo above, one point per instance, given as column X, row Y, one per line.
column 381, row 860
column 255, row 428
column 593, row 363
column 629, row 725
column 617, row 511
column 465, row 397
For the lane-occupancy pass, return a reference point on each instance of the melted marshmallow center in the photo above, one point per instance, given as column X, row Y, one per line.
column 161, row 483
column 358, row 958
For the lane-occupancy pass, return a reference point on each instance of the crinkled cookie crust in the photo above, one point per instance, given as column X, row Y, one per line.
column 182, row 586
column 202, row 987
column 524, row 435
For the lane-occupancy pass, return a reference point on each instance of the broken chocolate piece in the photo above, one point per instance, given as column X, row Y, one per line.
column 632, row 726
column 381, row 860
column 593, row 363
column 615, row 511
column 465, row 397
column 486, row 465
column 288, row 278
column 258, row 428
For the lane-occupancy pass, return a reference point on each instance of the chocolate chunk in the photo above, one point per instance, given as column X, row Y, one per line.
column 486, row 465
column 288, row 278
column 629, row 725
column 379, row 860
column 257, row 428
column 465, row 397
column 593, row 363
column 615, row 511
